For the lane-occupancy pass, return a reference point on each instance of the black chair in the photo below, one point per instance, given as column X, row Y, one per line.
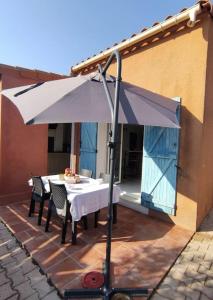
column 38, row 195
column 59, row 200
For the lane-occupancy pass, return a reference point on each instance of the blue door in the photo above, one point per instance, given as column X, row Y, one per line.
column 88, row 147
column 159, row 170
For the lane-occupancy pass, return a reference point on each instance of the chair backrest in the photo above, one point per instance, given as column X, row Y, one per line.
column 86, row 173
column 58, row 194
column 38, row 186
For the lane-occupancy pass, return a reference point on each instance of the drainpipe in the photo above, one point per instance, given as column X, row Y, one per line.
column 193, row 16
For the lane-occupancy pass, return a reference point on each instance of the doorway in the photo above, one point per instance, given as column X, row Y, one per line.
column 59, row 147
column 128, row 168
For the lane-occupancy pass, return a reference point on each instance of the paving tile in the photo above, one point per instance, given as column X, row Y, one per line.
column 17, row 278
column 88, row 256
column 3, row 278
column 6, row 291
column 49, row 256
column 23, row 237
column 168, row 293
column 64, row 272
column 6, row 259
column 3, row 250
column 203, row 297
column 11, row 219
column 34, row 276
column 12, row 244
column 42, row 288
column 180, row 276
column 23, row 226
column 39, row 243
column 27, row 266
column 170, row 281
column 14, row 297
column 69, row 249
column 25, row 290
column 4, row 240
column 52, row 296
column 75, row 283
column 188, row 292
column 199, row 286
column 19, row 256
column 35, row 296
column 12, row 268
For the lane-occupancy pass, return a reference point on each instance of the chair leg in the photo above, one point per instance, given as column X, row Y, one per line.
column 74, row 232
column 114, row 207
column 40, row 212
column 65, row 220
column 32, row 207
column 85, row 223
column 49, row 213
column 96, row 219
column 70, row 218
column 64, row 230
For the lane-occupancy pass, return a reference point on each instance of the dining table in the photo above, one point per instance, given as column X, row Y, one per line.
column 85, row 197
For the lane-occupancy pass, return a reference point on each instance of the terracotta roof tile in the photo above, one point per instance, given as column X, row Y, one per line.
column 156, row 23
column 183, row 9
column 144, row 29
column 168, row 17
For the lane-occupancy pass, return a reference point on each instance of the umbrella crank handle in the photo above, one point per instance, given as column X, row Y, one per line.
column 111, row 145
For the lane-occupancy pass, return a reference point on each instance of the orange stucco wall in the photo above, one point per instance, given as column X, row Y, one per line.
column 205, row 188
column 176, row 66
column 23, row 149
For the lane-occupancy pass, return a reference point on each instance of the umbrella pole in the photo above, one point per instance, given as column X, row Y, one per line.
column 112, row 146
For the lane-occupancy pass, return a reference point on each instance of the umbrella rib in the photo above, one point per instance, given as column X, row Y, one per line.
column 152, row 101
column 28, row 89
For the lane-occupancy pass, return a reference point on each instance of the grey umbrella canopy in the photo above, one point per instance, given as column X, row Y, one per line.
column 83, row 99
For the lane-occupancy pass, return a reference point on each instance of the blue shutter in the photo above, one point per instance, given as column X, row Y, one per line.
column 159, row 170
column 88, row 147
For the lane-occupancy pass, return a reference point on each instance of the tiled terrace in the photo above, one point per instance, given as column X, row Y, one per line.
column 143, row 248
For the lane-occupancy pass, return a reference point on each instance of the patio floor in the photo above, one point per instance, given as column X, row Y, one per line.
column 143, row 248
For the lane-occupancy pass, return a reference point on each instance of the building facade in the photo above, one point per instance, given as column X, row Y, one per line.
column 172, row 58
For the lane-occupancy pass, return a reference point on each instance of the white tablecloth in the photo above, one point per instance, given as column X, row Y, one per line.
column 85, row 197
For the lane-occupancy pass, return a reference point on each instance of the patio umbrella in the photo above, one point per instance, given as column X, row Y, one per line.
column 83, row 99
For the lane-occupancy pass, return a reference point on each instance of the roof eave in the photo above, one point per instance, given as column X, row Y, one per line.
column 160, row 27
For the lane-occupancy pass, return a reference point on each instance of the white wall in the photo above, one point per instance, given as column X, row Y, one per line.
column 58, row 137
column 58, row 147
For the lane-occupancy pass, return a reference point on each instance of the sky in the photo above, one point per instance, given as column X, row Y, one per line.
column 53, row 35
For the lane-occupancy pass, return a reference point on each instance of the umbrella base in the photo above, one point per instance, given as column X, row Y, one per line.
column 112, row 293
